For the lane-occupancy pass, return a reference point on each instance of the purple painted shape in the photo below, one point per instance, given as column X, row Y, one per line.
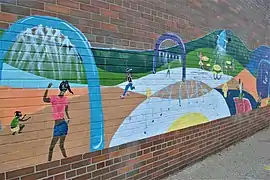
column 176, row 39
column 263, row 78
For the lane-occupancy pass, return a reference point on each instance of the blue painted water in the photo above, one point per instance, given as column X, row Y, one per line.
column 17, row 78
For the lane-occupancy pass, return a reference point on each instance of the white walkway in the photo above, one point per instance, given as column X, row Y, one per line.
column 158, row 81
column 155, row 116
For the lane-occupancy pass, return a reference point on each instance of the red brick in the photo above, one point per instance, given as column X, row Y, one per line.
column 109, row 27
column 120, row 177
column 2, row 176
column 31, row 4
column 50, row 1
column 89, row 8
column 42, row 13
column 86, row 22
column 35, row 176
column 118, row 153
column 84, row 1
column 19, row 172
column 68, row 3
column 100, row 18
column 100, row 158
column 49, row 178
column 48, row 165
column 83, row 177
column 58, row 170
column 118, row 166
column 70, row 174
column 109, row 13
column 70, row 160
column 78, row 13
column 60, row 176
column 118, row 22
column 110, row 175
column 7, row 17
column 102, row 164
column 117, row 8
column 82, row 163
column 55, row 8
column 126, row 17
column 91, row 168
column 81, row 171
column 100, row 4
column 146, row 145
column 4, row 25
column 15, row 9
column 109, row 162
column 100, row 172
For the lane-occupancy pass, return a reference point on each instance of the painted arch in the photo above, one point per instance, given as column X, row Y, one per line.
column 83, row 48
column 176, row 39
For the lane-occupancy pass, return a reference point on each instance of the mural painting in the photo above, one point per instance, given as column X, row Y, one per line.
column 57, row 89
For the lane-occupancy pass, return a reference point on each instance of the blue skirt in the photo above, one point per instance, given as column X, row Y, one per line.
column 60, row 129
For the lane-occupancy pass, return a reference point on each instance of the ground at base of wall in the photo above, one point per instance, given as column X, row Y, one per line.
column 248, row 159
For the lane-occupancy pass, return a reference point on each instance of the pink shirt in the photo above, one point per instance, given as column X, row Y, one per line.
column 58, row 106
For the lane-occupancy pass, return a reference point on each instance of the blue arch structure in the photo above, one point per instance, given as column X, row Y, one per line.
column 83, row 47
column 176, row 39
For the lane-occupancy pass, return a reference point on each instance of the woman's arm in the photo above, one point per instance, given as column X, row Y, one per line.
column 45, row 98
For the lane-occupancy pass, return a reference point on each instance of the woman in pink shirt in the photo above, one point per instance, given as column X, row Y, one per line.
column 59, row 109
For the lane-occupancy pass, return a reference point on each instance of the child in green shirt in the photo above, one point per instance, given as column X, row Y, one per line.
column 15, row 125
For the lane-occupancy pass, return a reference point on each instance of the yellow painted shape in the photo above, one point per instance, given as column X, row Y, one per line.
column 190, row 119
column 267, row 168
column 148, row 92
column 225, row 90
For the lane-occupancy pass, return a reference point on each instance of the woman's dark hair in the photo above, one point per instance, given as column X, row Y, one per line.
column 64, row 86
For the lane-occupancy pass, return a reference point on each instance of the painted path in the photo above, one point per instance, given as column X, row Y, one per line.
column 159, row 81
column 16, row 78
column 163, row 113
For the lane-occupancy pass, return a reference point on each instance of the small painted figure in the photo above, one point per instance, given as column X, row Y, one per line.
column 240, row 87
column 59, row 109
column 168, row 71
column 15, row 125
column 217, row 72
column 259, row 102
column 129, row 85
column 200, row 61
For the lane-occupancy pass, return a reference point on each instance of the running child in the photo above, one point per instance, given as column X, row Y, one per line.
column 129, row 85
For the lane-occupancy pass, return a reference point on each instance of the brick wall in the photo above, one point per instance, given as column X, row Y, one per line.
column 152, row 158
column 137, row 23
column 113, row 27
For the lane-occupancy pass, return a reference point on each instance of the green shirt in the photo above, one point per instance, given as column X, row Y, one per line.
column 14, row 123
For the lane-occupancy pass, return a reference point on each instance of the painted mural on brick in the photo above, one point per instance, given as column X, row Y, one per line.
column 61, row 97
